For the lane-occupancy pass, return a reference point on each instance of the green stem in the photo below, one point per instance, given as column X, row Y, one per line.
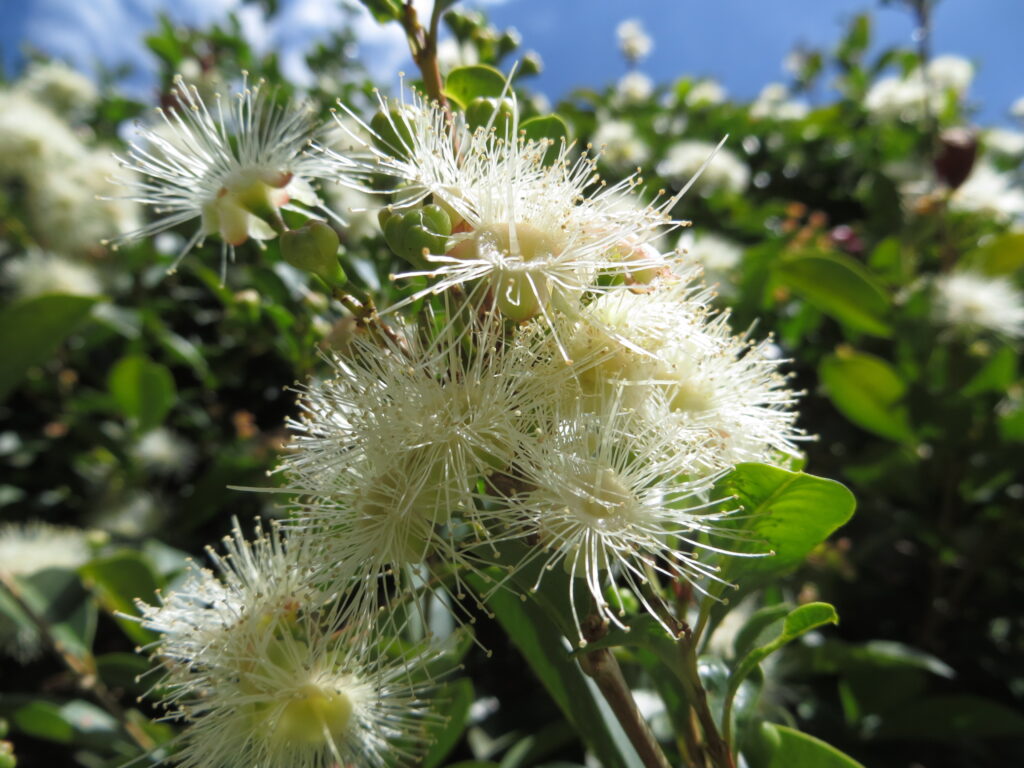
column 717, row 747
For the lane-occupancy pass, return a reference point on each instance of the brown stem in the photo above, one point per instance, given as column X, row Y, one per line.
column 366, row 315
column 423, row 46
column 83, row 668
column 717, row 748
column 602, row 666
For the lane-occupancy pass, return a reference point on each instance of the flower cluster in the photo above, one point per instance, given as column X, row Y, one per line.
column 566, row 396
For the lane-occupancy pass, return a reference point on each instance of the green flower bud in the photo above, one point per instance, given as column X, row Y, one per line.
column 391, row 132
column 482, row 109
column 7, row 758
column 313, row 247
column 530, row 64
column 415, row 233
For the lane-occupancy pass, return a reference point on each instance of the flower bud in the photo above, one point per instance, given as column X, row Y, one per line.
column 313, row 247
column 416, row 233
column 531, row 64
column 391, row 132
column 483, row 110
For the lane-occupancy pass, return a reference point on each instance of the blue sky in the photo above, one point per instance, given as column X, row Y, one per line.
column 742, row 43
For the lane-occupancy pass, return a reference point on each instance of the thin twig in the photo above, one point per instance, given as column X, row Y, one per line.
column 602, row 666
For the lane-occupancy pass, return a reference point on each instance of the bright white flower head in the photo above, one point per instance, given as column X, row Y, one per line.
column 972, row 301
column 634, row 88
column 33, row 547
column 610, row 502
column 63, row 89
column 621, row 149
column 773, row 103
column 233, row 166
column 725, row 171
column 634, row 42
column 263, row 677
column 989, row 190
column 162, row 452
column 37, row 272
column 533, row 235
column 71, row 205
column 32, row 137
column 1017, row 108
column 1002, row 141
column 706, row 93
column 950, row 72
column 681, row 371
column 389, row 452
column 907, row 97
column 718, row 255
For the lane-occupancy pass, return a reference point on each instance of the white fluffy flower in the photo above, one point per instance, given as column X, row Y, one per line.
column 988, row 190
column 390, row 451
column 972, row 301
column 262, row 676
column 534, row 235
column 610, row 502
column 718, row 255
column 233, row 166
column 907, row 97
column 773, row 103
column 37, row 272
column 1002, row 141
column 32, row 547
column 71, row 205
column 634, row 88
column 706, row 93
column 634, row 42
column 60, row 87
column 1017, row 108
column 725, row 171
column 681, row 372
column 32, row 137
column 621, row 149
column 162, row 452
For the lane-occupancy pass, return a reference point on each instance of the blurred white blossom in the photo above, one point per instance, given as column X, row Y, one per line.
column 973, row 301
column 726, row 171
column 37, row 272
column 634, row 42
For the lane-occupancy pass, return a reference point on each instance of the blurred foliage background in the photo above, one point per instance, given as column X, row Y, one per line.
column 134, row 400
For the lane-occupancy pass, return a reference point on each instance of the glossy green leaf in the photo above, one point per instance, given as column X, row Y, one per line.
column 996, row 375
column 551, row 128
column 758, row 623
column 455, row 699
column 841, row 288
column 56, row 596
column 798, row 622
column 464, row 84
column 1002, row 255
column 783, row 747
column 868, row 391
column 118, row 580
column 32, row 329
column 788, row 513
column 143, row 390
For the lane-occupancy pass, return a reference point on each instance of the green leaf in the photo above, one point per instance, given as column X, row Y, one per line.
column 464, row 84
column 782, row 747
column 549, row 127
column 456, row 699
column 755, row 626
column 384, row 10
column 43, row 720
column 841, row 288
column 32, row 329
column 996, row 375
column 788, row 513
column 798, row 622
column 118, row 580
column 1003, row 255
column 868, row 391
column 951, row 718
column 56, row 596
column 144, row 390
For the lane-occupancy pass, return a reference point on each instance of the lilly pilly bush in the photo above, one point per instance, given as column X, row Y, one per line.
column 502, row 405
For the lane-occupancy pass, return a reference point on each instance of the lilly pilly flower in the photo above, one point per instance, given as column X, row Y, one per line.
column 534, row 232
column 233, row 166
column 390, row 454
column 971, row 301
column 263, row 677
column 611, row 502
